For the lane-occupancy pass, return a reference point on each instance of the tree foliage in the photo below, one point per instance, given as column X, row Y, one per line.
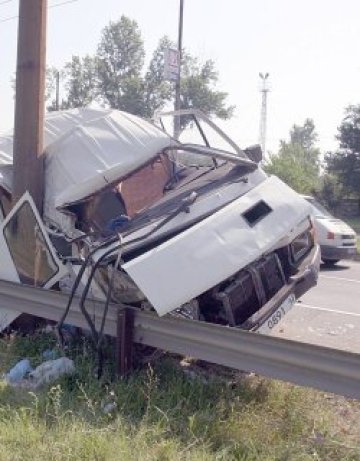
column 116, row 77
column 52, row 74
column 198, row 82
column 120, row 58
column 81, row 82
column 297, row 162
column 345, row 163
column 78, row 79
column 157, row 91
column 330, row 192
column 304, row 135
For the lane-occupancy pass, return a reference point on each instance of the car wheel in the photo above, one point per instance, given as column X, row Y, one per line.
column 330, row 262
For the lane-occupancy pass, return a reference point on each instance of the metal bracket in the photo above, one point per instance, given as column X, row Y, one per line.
column 124, row 341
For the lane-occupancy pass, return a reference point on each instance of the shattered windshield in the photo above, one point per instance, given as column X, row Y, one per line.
column 197, row 130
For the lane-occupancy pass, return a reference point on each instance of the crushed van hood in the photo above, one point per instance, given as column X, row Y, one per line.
column 216, row 248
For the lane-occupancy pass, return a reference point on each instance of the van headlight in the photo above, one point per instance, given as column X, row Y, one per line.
column 302, row 244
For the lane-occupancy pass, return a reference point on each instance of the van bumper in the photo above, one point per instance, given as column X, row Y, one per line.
column 298, row 284
column 335, row 253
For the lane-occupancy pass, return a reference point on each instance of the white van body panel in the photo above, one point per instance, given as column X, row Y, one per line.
column 184, row 267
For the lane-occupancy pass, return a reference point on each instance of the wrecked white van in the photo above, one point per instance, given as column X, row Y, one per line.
column 132, row 215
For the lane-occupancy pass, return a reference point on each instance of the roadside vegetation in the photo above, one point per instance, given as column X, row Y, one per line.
column 332, row 176
column 166, row 411
column 116, row 76
column 355, row 224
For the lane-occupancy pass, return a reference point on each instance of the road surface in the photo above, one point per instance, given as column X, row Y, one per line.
column 329, row 314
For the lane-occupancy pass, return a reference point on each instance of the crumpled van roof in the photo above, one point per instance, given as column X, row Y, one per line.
column 56, row 125
column 86, row 149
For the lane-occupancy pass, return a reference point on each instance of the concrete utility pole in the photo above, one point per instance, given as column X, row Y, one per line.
column 30, row 101
column 177, row 127
column 264, row 89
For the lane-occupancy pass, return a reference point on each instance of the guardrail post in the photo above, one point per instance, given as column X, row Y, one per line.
column 124, row 341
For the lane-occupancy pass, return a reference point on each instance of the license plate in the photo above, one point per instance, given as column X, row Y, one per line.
column 277, row 316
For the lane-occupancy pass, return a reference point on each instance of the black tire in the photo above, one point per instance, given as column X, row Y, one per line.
column 330, row 262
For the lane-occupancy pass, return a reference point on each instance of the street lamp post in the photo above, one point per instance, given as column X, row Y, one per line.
column 263, row 117
column 177, row 127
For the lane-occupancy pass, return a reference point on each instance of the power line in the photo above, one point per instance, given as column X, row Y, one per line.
column 5, row 1
column 51, row 6
column 63, row 3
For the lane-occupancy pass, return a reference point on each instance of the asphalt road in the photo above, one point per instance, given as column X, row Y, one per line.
column 329, row 314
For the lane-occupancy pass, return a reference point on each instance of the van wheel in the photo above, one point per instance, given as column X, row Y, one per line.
column 330, row 262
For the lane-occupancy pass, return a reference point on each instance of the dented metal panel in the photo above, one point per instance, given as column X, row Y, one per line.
column 217, row 247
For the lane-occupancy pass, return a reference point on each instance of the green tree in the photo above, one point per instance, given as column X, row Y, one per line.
column 198, row 85
column 77, row 81
column 115, row 76
column 50, row 83
column 157, row 91
column 120, row 59
column 305, row 134
column 80, row 82
column 297, row 162
column 345, row 163
column 198, row 89
column 51, row 76
column 330, row 191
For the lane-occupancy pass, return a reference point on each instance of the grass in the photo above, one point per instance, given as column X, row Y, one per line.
column 167, row 412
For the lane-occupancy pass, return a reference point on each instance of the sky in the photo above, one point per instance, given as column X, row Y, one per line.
column 309, row 48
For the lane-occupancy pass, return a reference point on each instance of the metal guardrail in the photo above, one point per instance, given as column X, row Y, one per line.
column 309, row 365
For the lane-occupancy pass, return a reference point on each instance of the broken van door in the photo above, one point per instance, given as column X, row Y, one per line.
column 39, row 266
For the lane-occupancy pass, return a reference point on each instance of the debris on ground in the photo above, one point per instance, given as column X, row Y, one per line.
column 206, row 372
column 50, row 371
column 19, row 371
column 50, row 354
column 22, row 375
column 109, row 408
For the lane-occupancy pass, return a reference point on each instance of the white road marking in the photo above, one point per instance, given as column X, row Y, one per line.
column 325, row 309
column 339, row 278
